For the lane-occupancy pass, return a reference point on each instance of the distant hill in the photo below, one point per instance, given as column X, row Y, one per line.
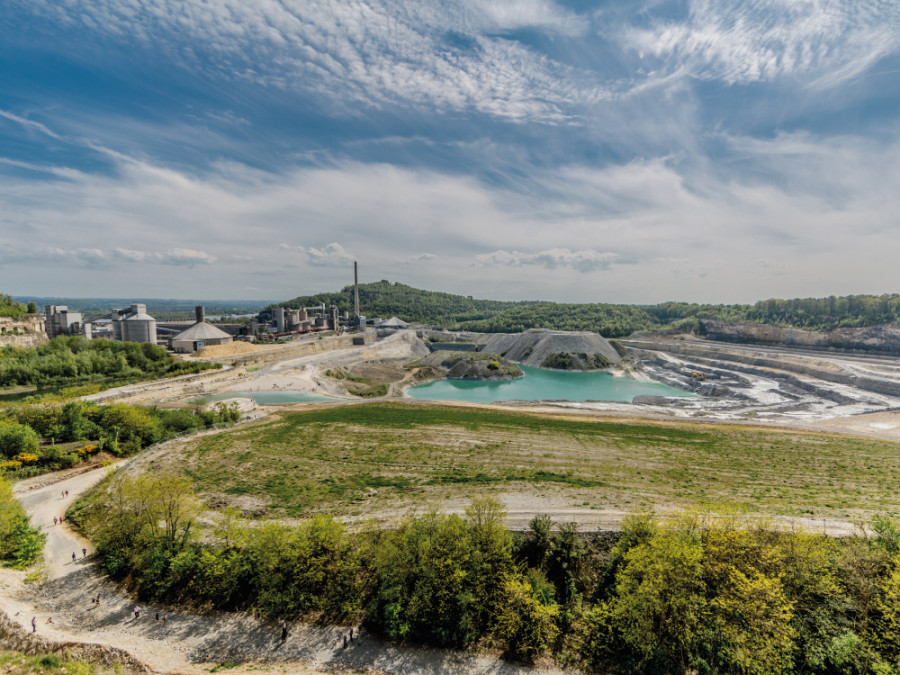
column 385, row 299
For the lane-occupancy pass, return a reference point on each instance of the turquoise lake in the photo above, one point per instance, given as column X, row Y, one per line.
column 543, row 385
column 272, row 397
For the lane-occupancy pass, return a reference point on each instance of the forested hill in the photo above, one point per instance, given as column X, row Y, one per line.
column 385, row 299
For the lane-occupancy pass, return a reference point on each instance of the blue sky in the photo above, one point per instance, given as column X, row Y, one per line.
column 705, row 150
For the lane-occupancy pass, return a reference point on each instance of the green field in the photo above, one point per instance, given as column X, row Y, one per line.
column 387, row 457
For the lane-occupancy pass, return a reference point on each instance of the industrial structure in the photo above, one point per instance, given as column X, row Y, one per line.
column 59, row 320
column 133, row 325
column 198, row 336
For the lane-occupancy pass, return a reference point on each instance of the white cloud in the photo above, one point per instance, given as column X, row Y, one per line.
column 825, row 41
column 186, row 256
column 28, row 124
column 332, row 255
column 372, row 51
column 583, row 260
column 824, row 211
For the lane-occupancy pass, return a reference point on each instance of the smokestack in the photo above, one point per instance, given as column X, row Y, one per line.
column 201, row 313
column 355, row 291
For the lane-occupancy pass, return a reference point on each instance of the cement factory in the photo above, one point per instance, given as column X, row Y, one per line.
column 133, row 324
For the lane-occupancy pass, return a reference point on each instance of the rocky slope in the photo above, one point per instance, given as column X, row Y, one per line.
column 884, row 339
column 552, row 349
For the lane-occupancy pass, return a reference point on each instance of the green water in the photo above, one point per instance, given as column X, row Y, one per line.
column 272, row 397
column 543, row 385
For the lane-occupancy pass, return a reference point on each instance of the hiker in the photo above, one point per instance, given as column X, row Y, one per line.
column 351, row 633
column 74, row 557
column 284, row 631
column 34, row 624
column 54, row 520
column 165, row 618
column 98, row 599
column 345, row 642
column 157, row 616
column 67, row 493
column 84, row 553
column 137, row 612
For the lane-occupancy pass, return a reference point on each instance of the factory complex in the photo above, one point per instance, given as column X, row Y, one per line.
column 134, row 324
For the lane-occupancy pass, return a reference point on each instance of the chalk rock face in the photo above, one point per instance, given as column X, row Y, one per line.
column 884, row 338
column 27, row 331
column 552, row 349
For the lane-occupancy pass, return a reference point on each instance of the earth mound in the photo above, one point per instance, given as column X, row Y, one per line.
column 472, row 365
column 553, row 349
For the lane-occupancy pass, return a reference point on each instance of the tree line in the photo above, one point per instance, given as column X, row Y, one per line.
column 385, row 299
column 30, row 434
column 682, row 594
column 74, row 360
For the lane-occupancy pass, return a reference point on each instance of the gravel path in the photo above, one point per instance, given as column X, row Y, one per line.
column 189, row 643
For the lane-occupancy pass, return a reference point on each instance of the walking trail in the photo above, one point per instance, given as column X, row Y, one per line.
column 188, row 643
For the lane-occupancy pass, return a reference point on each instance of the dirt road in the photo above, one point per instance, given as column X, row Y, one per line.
column 190, row 643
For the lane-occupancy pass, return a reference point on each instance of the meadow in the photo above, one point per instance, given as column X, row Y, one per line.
column 386, row 458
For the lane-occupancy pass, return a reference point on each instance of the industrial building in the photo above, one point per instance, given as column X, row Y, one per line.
column 59, row 320
column 198, row 336
column 133, row 325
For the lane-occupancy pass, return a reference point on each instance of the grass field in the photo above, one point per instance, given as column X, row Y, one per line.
column 387, row 457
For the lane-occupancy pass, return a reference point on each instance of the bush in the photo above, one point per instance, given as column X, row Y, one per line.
column 16, row 439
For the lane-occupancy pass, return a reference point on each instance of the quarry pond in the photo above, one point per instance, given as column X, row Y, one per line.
column 543, row 385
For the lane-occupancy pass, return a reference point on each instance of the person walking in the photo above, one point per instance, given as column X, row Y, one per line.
column 34, row 624
column 284, row 632
column 84, row 553
column 55, row 520
column 165, row 618
column 137, row 612
column 74, row 557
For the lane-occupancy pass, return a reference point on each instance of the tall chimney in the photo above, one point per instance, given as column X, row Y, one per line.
column 201, row 313
column 355, row 291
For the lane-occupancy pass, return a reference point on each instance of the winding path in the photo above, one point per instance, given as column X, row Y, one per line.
column 188, row 643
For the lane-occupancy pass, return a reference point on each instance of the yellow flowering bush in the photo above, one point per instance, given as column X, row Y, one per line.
column 26, row 457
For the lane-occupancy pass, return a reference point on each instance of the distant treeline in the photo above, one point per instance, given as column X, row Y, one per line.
column 385, row 299
column 74, row 360
column 691, row 594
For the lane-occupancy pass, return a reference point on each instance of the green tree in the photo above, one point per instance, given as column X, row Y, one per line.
column 17, row 438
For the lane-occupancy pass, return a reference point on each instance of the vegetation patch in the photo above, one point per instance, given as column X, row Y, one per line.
column 300, row 462
column 356, row 385
column 68, row 361
column 697, row 592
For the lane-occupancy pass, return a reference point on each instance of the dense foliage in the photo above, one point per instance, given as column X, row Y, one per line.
column 72, row 360
column 691, row 594
column 20, row 543
column 11, row 308
column 88, row 428
column 384, row 299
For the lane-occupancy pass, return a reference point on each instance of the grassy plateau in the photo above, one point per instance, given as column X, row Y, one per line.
column 388, row 457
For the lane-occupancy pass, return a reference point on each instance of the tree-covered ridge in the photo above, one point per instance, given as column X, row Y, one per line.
column 387, row 299
column 74, row 360
column 11, row 308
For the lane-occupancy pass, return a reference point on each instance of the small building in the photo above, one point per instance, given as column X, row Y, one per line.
column 201, row 334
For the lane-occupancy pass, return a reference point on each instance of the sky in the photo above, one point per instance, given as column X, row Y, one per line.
column 635, row 151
